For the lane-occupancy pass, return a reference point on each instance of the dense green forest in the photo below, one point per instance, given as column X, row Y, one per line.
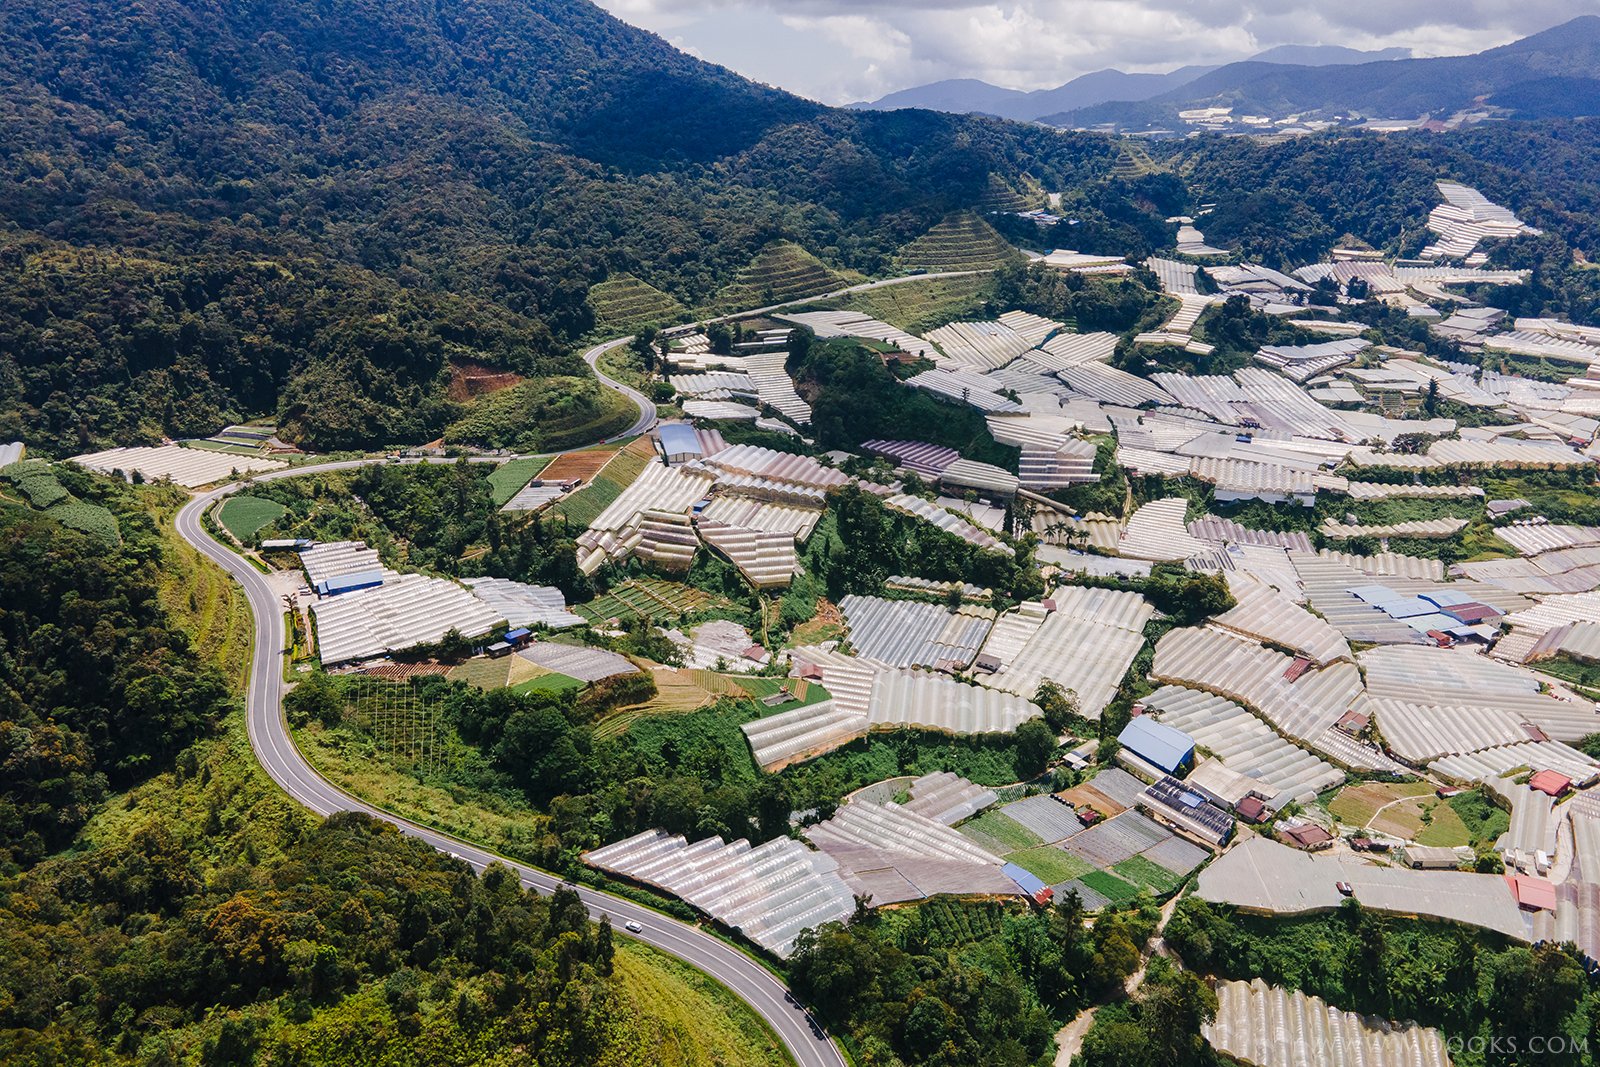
column 946, row 984
column 209, row 920
column 98, row 686
column 210, row 209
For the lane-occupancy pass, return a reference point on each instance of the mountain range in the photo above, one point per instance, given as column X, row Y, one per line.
column 1548, row 74
column 964, row 96
column 279, row 170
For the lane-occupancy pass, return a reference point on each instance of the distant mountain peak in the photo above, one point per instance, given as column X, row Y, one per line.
column 969, row 96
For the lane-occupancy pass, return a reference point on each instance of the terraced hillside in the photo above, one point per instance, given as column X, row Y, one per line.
column 1002, row 197
column 1133, row 161
column 781, row 271
column 961, row 242
column 625, row 303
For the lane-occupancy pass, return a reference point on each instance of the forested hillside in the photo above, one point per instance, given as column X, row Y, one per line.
column 162, row 902
column 98, row 686
column 208, row 209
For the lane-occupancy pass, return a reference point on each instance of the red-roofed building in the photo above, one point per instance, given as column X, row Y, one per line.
column 1470, row 613
column 1251, row 809
column 1552, row 782
column 1300, row 665
column 1353, row 722
column 1534, row 894
column 1308, row 836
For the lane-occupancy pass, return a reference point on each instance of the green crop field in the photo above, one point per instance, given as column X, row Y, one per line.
column 1002, row 197
column 761, row 688
column 923, row 305
column 1052, row 865
column 509, row 478
column 961, row 242
column 1110, row 886
column 245, row 516
column 625, row 303
column 1134, row 161
column 780, row 272
column 548, row 683
column 1140, row 871
column 994, row 828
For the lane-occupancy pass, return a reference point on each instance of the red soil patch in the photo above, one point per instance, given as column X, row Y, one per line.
column 469, row 379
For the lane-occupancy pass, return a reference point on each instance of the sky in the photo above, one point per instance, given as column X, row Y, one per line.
column 838, row 51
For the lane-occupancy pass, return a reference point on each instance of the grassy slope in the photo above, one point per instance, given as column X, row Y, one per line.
column 624, row 303
column 201, row 598
column 923, row 305
column 961, row 242
column 695, row 1020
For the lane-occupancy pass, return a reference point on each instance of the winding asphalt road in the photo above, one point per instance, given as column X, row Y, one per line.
column 275, row 749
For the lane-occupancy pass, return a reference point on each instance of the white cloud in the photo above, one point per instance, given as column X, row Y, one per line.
column 840, row 50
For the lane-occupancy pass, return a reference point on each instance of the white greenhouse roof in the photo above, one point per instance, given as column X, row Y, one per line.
column 1283, row 771
column 1240, row 669
column 770, row 893
column 1085, row 645
column 188, row 467
column 521, row 604
column 1270, row 1026
column 407, row 611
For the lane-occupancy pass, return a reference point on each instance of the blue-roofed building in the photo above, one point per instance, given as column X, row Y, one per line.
column 679, row 443
column 1158, row 745
column 1028, row 882
column 349, row 583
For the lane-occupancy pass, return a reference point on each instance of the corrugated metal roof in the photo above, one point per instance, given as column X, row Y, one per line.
column 985, row 477
column 1164, row 746
column 919, row 456
column 1156, row 531
column 904, row 633
column 770, row 893
column 930, row 512
column 1436, row 677
column 1267, row 615
column 978, row 345
column 678, row 439
column 1107, row 383
column 409, row 610
column 1085, row 646
column 965, row 388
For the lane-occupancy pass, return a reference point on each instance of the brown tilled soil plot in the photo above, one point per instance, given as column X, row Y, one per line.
column 1080, row 795
column 583, row 465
